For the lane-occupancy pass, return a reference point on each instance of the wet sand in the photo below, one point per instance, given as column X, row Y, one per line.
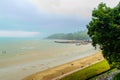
column 17, row 67
column 58, row 72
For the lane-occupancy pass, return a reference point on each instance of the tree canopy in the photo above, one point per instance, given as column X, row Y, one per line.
column 80, row 35
column 104, row 30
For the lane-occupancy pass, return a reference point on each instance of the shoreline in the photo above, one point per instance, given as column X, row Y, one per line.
column 18, row 66
column 60, row 71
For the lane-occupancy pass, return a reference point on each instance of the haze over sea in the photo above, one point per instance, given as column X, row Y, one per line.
column 19, row 45
column 15, row 46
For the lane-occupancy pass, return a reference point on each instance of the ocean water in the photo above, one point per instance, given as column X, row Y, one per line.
column 16, row 46
column 13, row 46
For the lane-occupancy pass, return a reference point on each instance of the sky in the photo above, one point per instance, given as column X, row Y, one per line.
column 40, row 18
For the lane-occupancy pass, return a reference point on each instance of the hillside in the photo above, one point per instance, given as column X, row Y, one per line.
column 80, row 35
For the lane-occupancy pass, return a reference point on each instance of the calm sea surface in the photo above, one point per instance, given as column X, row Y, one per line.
column 12, row 46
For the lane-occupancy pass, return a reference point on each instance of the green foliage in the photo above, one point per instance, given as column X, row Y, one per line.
column 80, row 35
column 117, row 77
column 103, row 74
column 89, row 71
column 104, row 30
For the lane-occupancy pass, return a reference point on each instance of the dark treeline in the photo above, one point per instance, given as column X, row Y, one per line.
column 80, row 35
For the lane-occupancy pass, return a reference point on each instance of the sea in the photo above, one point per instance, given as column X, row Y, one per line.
column 23, row 45
column 10, row 47
column 13, row 46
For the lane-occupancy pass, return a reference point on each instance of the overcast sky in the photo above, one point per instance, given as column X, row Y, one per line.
column 26, row 18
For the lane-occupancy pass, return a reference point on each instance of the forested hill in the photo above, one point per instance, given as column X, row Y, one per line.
column 80, row 35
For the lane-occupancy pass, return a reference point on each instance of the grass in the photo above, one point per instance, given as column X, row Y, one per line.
column 88, row 72
column 102, row 74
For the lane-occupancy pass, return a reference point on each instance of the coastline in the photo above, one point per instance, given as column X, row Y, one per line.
column 60, row 71
column 18, row 66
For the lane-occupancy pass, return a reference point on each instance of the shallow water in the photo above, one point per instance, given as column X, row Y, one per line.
column 22, row 57
column 18, row 46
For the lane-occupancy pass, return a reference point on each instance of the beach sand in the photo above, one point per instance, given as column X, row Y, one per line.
column 58, row 72
column 17, row 67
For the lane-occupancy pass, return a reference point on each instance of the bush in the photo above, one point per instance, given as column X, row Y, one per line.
column 116, row 77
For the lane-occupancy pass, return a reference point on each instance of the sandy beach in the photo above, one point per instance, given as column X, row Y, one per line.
column 17, row 67
column 56, row 73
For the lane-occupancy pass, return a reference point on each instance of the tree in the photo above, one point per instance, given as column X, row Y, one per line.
column 104, row 30
column 80, row 35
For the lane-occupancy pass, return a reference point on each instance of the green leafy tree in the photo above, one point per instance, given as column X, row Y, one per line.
column 104, row 30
